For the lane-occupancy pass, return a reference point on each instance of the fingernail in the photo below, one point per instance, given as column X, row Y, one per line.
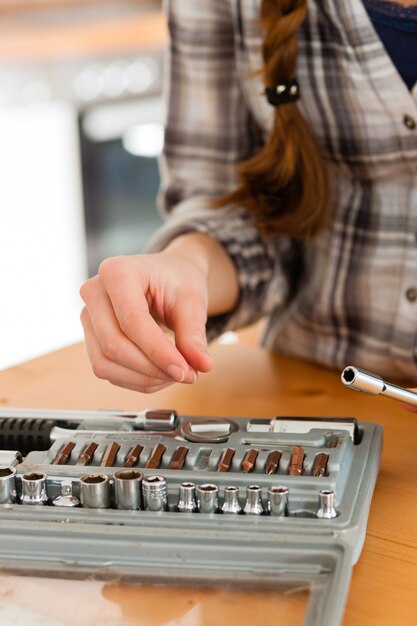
column 209, row 356
column 176, row 373
column 191, row 377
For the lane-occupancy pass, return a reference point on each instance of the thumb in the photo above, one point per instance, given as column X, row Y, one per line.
column 188, row 321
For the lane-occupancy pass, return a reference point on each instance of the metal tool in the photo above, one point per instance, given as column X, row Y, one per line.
column 155, row 460
column 332, row 441
column 110, row 454
column 87, row 454
column 320, row 465
column 154, row 491
column 66, row 497
column 278, row 501
column 133, row 456
column 231, row 502
column 187, row 501
column 374, row 385
column 34, row 488
column 127, row 490
column 94, row 491
column 272, row 462
column 253, row 505
column 178, row 458
column 225, row 462
column 326, row 508
column 207, row 498
column 64, row 454
column 249, row 461
column 149, row 419
column 7, row 485
column 296, row 462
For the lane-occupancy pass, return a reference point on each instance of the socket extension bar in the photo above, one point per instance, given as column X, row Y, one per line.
column 360, row 380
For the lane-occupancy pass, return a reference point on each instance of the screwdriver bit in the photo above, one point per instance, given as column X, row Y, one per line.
column 332, row 441
column 320, row 465
column 87, row 454
column 225, row 462
column 64, row 454
column 178, row 458
column 154, row 461
column 296, row 462
column 133, row 456
column 110, row 454
column 249, row 461
column 272, row 462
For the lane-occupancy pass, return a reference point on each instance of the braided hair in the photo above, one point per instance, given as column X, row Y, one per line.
column 285, row 185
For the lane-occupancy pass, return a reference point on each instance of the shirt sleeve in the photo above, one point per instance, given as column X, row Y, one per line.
column 208, row 130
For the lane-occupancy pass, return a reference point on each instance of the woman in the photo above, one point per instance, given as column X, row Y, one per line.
column 317, row 226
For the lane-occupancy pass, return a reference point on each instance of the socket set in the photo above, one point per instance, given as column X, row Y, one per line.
column 158, row 497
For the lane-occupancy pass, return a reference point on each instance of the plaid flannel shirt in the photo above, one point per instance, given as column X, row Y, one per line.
column 349, row 296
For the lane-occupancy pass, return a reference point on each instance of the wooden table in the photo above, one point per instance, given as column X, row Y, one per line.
column 246, row 380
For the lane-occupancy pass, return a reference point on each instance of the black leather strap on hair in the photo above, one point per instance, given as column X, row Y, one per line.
column 282, row 94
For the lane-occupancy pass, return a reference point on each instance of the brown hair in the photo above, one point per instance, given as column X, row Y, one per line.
column 285, row 185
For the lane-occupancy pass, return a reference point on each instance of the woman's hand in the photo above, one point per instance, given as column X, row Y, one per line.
column 134, row 299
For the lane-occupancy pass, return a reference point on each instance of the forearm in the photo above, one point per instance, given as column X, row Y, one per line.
column 214, row 261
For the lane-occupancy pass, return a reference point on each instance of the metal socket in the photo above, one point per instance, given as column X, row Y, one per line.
column 154, row 491
column 253, row 505
column 187, row 502
column 326, row 508
column 94, row 491
column 66, row 498
column 7, row 485
column 231, row 502
column 208, row 498
column 34, row 488
column 278, row 501
column 127, row 491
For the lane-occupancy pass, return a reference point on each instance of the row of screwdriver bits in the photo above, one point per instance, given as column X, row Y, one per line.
column 178, row 459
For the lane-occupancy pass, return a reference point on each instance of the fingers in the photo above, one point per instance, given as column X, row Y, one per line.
column 115, row 346
column 189, row 324
column 113, row 372
column 126, row 288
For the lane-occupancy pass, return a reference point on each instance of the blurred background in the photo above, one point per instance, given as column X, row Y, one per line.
column 80, row 133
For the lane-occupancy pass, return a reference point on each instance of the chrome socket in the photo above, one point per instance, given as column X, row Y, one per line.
column 326, row 508
column 34, row 488
column 127, row 490
column 253, row 505
column 66, row 498
column 231, row 502
column 7, row 485
column 154, row 490
column 278, row 501
column 94, row 491
column 207, row 498
column 187, row 502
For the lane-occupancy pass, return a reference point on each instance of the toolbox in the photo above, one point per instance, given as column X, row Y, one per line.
column 164, row 498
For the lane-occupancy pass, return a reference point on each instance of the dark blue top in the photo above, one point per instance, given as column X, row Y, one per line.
column 396, row 26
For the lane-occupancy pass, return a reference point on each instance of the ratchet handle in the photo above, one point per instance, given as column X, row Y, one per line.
column 25, row 435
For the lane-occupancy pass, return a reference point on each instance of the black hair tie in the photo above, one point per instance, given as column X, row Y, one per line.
column 283, row 93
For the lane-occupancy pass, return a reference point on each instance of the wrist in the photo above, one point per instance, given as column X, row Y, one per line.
column 194, row 247
column 213, row 260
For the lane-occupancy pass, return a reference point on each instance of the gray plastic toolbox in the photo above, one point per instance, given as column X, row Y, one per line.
column 281, row 472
